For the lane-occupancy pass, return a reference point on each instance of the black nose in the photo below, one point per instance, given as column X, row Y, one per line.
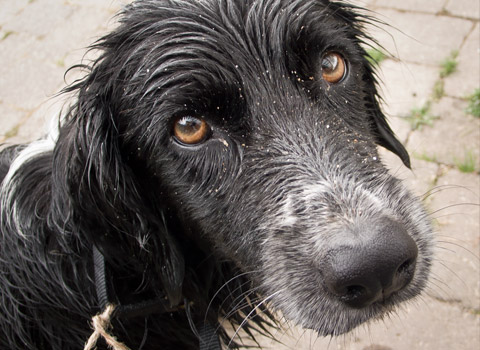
column 370, row 262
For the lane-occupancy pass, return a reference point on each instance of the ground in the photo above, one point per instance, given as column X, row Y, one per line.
column 429, row 65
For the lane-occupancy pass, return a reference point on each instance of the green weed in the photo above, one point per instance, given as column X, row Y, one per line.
column 420, row 117
column 12, row 132
column 438, row 89
column 426, row 157
column 473, row 107
column 375, row 56
column 467, row 164
column 7, row 34
column 60, row 62
column 449, row 65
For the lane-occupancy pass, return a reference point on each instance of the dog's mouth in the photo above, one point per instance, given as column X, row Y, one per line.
column 351, row 288
column 348, row 271
column 341, row 318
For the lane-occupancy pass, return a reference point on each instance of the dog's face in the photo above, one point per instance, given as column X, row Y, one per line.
column 259, row 123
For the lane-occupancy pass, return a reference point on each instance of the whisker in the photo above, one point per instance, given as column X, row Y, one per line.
column 223, row 286
column 439, row 284
column 453, row 206
column 241, row 304
column 465, row 249
column 441, row 188
column 245, row 320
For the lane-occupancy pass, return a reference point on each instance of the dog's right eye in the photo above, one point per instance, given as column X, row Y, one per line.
column 334, row 67
column 190, row 130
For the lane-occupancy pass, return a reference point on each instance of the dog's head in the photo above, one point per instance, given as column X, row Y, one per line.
column 253, row 126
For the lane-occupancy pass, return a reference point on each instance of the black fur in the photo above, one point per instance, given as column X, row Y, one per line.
column 200, row 224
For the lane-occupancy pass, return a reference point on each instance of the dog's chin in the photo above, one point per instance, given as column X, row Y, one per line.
column 337, row 320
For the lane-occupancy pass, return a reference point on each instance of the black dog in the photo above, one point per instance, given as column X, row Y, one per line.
column 219, row 162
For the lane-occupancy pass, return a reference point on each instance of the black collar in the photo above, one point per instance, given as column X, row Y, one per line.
column 207, row 334
column 158, row 305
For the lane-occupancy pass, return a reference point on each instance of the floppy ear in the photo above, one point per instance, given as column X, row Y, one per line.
column 106, row 196
column 382, row 132
column 386, row 138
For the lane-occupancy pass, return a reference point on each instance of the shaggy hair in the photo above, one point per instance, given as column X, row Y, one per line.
column 278, row 202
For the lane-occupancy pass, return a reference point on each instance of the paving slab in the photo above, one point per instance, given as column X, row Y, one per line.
column 398, row 332
column 365, row 3
column 36, row 123
column 462, row 82
column 420, row 179
column 464, row 8
column 31, row 75
column 430, row 6
column 11, row 9
column 40, row 39
column 112, row 6
column 405, row 85
column 452, row 138
column 455, row 210
column 35, row 55
column 419, row 37
column 30, row 22
column 9, row 120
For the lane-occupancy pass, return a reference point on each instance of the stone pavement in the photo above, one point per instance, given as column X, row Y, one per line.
column 40, row 39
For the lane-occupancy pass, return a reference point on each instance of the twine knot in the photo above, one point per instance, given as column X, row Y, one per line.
column 101, row 325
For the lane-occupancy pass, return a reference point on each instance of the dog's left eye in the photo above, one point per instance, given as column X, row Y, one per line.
column 334, row 67
column 190, row 130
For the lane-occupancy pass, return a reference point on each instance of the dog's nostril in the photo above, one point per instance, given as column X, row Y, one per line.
column 406, row 266
column 354, row 293
column 357, row 296
column 370, row 263
column 403, row 276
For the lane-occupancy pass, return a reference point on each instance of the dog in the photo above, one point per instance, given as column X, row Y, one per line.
column 218, row 166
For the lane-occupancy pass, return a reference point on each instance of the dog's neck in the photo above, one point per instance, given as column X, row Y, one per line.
column 144, row 308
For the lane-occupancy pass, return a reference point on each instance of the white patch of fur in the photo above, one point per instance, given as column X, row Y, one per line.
column 287, row 216
column 32, row 151
column 312, row 192
column 7, row 187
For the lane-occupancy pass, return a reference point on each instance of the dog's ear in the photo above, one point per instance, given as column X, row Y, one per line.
column 386, row 138
column 106, row 197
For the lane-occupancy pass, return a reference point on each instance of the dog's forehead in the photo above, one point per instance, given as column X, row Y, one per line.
column 229, row 26
column 192, row 43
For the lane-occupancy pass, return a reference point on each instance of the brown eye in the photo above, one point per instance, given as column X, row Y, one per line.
column 333, row 67
column 190, row 130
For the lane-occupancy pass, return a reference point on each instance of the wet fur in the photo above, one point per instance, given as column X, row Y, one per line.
column 226, row 227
